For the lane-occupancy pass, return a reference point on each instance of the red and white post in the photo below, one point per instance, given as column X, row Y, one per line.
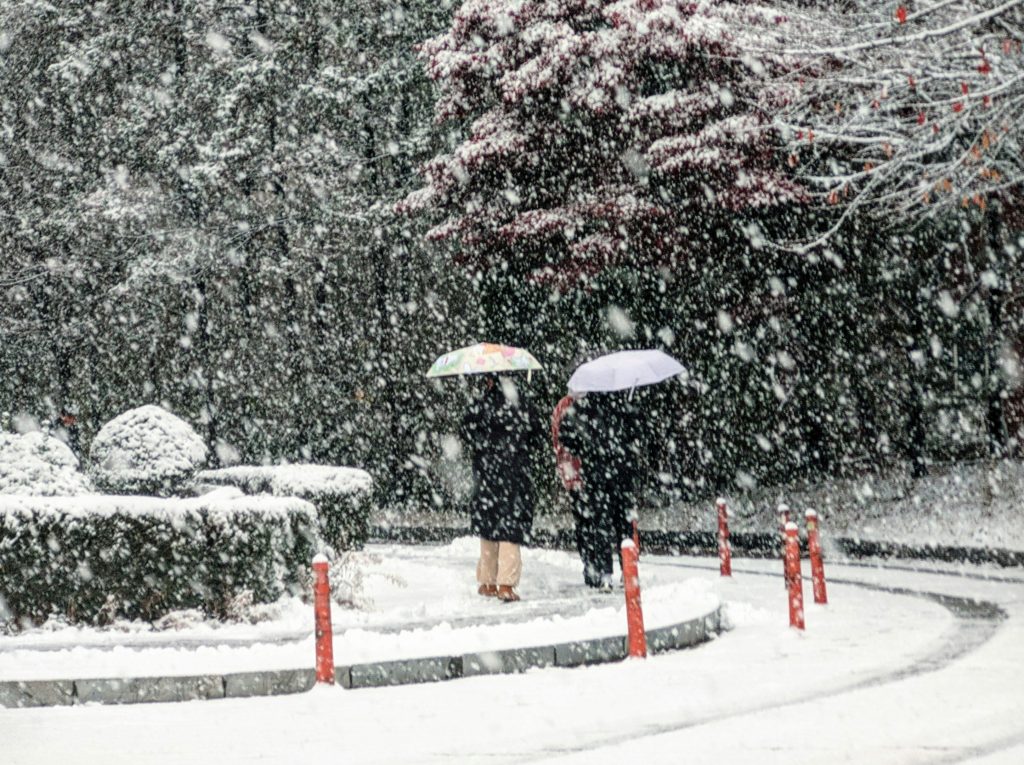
column 814, row 550
column 724, row 551
column 794, row 581
column 634, row 611
column 322, row 615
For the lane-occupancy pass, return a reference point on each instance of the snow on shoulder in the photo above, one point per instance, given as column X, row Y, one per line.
column 301, row 480
column 39, row 464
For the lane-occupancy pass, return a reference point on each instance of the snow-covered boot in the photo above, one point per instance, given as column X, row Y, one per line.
column 507, row 594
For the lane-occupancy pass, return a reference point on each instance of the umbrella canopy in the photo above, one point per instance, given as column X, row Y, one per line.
column 483, row 358
column 623, row 370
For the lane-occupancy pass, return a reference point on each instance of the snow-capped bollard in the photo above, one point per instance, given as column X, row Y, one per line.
column 322, row 615
column 634, row 611
column 814, row 550
column 794, row 582
column 724, row 553
column 634, row 518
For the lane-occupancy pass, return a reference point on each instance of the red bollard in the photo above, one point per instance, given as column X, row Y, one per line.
column 322, row 614
column 724, row 552
column 634, row 611
column 814, row 549
column 794, row 582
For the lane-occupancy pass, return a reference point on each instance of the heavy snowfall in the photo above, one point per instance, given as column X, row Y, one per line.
column 505, row 380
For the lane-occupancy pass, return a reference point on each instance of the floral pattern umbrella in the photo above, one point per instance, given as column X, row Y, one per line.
column 484, row 358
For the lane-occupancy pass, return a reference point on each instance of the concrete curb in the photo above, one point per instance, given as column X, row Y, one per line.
column 139, row 690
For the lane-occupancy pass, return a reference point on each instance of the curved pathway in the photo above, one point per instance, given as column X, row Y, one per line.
column 904, row 666
column 978, row 622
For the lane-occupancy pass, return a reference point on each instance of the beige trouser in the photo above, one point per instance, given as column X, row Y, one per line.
column 500, row 563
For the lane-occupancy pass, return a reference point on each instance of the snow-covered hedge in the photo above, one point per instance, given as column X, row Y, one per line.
column 342, row 495
column 41, row 465
column 96, row 558
column 145, row 451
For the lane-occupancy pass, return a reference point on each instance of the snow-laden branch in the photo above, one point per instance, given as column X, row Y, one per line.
column 972, row 21
column 902, row 125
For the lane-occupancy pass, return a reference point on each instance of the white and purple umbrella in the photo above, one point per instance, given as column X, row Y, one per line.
column 624, row 370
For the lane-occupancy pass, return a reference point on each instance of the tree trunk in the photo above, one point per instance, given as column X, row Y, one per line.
column 995, row 418
column 205, row 354
column 916, row 431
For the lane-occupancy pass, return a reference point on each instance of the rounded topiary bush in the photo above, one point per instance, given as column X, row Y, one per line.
column 41, row 465
column 145, row 451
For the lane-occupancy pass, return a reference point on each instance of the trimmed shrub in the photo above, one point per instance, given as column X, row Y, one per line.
column 342, row 495
column 145, row 451
column 41, row 465
column 98, row 558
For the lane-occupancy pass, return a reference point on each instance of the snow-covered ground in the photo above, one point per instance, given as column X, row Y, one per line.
column 417, row 602
column 972, row 504
column 877, row 677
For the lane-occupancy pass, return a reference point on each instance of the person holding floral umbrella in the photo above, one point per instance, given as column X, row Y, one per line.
column 500, row 431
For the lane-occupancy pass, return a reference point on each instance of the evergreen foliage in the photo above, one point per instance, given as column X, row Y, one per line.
column 198, row 211
column 343, row 497
column 146, row 451
column 95, row 559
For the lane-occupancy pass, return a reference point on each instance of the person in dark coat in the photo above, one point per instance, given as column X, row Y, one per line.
column 500, row 430
column 568, row 466
column 603, row 433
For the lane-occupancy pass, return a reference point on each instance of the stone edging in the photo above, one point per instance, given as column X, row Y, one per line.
column 38, row 693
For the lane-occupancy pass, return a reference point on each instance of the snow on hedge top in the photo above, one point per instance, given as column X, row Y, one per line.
column 144, row 446
column 287, row 480
column 221, row 503
column 40, row 464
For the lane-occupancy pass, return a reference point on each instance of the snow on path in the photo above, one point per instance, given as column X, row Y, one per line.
column 424, row 603
column 969, row 711
column 737, row 699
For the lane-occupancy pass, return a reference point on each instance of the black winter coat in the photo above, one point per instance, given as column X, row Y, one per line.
column 603, row 430
column 500, row 437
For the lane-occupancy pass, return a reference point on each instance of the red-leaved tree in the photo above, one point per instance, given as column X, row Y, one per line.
column 592, row 134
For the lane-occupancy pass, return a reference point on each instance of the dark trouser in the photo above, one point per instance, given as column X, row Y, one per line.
column 601, row 526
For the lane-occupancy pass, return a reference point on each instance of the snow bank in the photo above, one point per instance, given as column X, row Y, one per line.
column 39, row 464
column 145, row 451
column 299, row 480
